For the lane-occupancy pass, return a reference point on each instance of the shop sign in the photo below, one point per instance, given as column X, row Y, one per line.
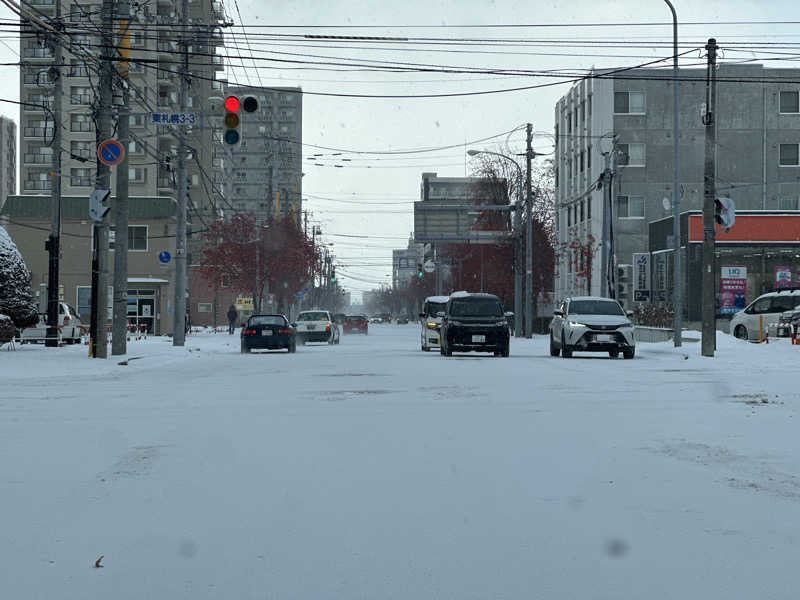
column 732, row 289
column 783, row 277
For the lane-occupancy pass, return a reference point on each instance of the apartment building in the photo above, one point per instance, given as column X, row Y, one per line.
column 626, row 123
column 153, row 89
column 8, row 159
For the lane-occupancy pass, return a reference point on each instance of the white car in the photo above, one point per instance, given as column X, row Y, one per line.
column 316, row 326
column 591, row 324
column 763, row 313
column 70, row 327
column 431, row 321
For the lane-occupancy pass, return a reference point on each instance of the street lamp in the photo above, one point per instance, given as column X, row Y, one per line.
column 677, row 288
column 518, row 255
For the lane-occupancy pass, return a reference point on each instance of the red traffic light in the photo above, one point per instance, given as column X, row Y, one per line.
column 232, row 104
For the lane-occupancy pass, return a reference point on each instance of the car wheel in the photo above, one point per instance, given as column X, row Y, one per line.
column 740, row 332
column 506, row 350
column 613, row 353
column 566, row 351
column 292, row 348
column 245, row 349
column 425, row 349
column 441, row 350
column 554, row 350
column 629, row 353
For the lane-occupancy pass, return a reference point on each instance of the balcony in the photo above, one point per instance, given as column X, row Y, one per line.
column 81, row 181
column 218, row 11
column 37, row 132
column 41, row 101
column 37, row 159
column 41, row 3
column 37, row 185
column 37, row 52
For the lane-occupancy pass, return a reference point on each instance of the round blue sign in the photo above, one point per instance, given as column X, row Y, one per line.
column 164, row 256
column 110, row 152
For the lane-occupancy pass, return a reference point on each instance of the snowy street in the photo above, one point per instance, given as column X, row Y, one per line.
column 373, row 470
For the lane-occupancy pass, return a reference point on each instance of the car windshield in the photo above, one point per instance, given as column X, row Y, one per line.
column 595, row 307
column 475, row 307
column 436, row 307
column 313, row 316
column 356, row 318
column 266, row 320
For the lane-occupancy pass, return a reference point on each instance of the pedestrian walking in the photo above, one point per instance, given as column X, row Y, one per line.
column 232, row 316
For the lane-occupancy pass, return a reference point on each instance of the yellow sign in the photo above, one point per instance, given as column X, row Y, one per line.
column 245, row 303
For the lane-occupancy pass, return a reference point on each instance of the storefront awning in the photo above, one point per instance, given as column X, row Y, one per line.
column 752, row 229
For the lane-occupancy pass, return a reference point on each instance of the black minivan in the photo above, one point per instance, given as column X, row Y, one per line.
column 474, row 323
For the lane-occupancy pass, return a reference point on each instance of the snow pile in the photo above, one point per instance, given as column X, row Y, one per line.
column 16, row 300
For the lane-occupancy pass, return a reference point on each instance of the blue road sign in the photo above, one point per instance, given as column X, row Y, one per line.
column 110, row 152
column 164, row 256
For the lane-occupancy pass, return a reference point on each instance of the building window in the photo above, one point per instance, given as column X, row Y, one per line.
column 630, row 207
column 569, row 216
column 581, row 160
column 78, row 69
column 80, row 123
column 136, row 121
column 790, row 102
column 788, row 203
column 789, row 155
column 589, row 209
column 81, row 177
column 629, row 103
column 589, row 158
column 204, row 307
column 80, row 95
column 569, row 122
column 589, row 105
column 630, row 155
column 582, row 213
column 137, row 238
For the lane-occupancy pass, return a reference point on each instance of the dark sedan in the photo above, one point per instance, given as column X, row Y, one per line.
column 355, row 324
column 268, row 332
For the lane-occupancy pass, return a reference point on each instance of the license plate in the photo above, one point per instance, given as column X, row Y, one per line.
column 266, row 332
column 311, row 327
column 478, row 339
column 603, row 338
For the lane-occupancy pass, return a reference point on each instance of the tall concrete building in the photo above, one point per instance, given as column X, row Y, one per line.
column 627, row 122
column 8, row 159
column 263, row 172
column 153, row 89
column 405, row 262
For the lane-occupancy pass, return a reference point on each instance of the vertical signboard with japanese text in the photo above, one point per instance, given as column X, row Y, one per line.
column 641, row 277
column 732, row 289
column 783, row 277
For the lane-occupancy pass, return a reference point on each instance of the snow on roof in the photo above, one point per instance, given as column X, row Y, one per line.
column 146, row 280
column 437, row 298
column 460, row 294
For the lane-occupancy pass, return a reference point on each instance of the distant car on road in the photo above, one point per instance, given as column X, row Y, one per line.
column 355, row 324
column 474, row 323
column 765, row 312
column 316, row 326
column 402, row 320
column 591, row 324
column 268, row 332
column 431, row 320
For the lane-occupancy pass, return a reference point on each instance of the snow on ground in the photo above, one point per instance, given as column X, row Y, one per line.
column 373, row 470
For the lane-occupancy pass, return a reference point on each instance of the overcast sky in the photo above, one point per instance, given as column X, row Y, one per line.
column 372, row 194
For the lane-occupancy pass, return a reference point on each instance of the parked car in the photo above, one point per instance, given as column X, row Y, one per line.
column 268, row 332
column 316, row 326
column 355, row 324
column 591, row 324
column 762, row 313
column 431, row 321
column 474, row 323
column 70, row 327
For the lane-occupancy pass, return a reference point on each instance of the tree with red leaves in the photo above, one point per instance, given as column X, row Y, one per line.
column 257, row 258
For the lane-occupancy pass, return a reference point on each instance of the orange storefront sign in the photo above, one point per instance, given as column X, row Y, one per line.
column 752, row 229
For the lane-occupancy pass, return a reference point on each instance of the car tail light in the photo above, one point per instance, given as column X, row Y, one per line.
column 250, row 332
column 328, row 327
column 66, row 319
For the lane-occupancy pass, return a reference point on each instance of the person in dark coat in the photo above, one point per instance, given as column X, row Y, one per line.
column 232, row 316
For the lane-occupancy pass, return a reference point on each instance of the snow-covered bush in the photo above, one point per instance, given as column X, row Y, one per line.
column 16, row 300
column 7, row 329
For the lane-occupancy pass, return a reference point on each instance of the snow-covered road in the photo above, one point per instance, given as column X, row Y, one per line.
column 372, row 470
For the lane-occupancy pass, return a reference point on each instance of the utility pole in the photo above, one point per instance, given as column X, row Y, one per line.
column 709, row 329
column 179, row 324
column 53, row 245
column 606, row 247
column 119, row 320
column 518, row 332
column 103, row 182
column 677, row 288
column 529, row 292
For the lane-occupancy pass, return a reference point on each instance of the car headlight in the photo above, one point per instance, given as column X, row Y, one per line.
column 432, row 325
column 503, row 323
column 626, row 325
column 576, row 324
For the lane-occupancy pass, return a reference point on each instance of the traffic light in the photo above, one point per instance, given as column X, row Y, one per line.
column 420, row 272
column 724, row 212
column 333, row 275
column 232, row 118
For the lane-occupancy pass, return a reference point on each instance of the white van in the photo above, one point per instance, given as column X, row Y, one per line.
column 763, row 313
column 429, row 336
